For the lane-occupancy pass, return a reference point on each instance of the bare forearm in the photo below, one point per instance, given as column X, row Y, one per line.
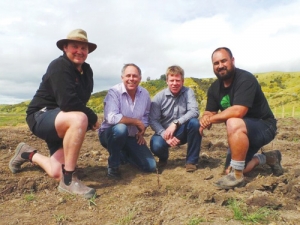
column 235, row 111
column 130, row 121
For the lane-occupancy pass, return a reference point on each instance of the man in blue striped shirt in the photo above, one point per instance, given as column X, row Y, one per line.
column 174, row 118
column 126, row 111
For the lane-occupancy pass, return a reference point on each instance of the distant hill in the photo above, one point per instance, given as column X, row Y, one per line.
column 280, row 88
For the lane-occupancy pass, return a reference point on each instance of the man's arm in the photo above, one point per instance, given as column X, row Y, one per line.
column 209, row 118
column 235, row 111
column 134, row 122
column 155, row 116
column 191, row 106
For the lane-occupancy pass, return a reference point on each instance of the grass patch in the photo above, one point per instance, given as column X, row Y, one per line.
column 241, row 213
column 196, row 221
column 61, row 218
column 126, row 220
column 92, row 200
column 12, row 119
column 29, row 197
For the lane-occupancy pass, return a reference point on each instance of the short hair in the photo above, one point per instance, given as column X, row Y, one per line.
column 175, row 70
column 131, row 64
column 222, row 48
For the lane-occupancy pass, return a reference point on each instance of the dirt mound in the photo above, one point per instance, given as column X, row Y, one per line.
column 173, row 197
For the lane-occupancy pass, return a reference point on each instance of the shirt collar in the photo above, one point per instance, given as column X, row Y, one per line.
column 168, row 92
column 123, row 89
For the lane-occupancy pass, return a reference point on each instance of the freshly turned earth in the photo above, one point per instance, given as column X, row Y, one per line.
column 173, row 197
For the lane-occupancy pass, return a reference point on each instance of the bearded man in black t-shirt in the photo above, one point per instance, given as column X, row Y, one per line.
column 236, row 98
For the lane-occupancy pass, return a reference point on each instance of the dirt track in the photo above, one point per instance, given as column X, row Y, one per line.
column 173, row 197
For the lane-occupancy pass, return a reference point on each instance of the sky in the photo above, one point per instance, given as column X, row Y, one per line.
column 263, row 36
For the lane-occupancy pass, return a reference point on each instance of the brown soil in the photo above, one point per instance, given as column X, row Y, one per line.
column 173, row 197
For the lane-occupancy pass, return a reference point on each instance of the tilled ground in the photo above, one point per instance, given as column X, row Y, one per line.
column 173, row 197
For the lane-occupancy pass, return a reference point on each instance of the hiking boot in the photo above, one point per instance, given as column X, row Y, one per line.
column 190, row 167
column 114, row 173
column 76, row 187
column 16, row 161
column 230, row 181
column 273, row 159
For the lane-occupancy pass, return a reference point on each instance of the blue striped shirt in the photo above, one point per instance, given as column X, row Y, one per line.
column 118, row 103
column 165, row 108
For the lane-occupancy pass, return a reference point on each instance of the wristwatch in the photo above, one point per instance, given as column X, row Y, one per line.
column 176, row 122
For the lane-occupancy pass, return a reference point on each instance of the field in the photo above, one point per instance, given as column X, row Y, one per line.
column 172, row 197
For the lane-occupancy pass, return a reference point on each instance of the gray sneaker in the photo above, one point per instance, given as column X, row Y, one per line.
column 16, row 161
column 229, row 181
column 273, row 159
column 76, row 187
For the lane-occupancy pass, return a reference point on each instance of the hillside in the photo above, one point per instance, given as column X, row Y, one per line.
column 282, row 89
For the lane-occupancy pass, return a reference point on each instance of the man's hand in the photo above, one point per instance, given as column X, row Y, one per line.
column 141, row 127
column 204, row 124
column 205, row 121
column 140, row 139
column 96, row 126
column 173, row 141
column 170, row 131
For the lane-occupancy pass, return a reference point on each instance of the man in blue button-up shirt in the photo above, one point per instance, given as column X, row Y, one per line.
column 174, row 118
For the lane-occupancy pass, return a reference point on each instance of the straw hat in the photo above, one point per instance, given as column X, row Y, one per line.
column 76, row 35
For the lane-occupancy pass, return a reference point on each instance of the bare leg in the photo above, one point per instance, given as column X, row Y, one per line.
column 249, row 167
column 237, row 138
column 51, row 165
column 71, row 126
column 238, row 143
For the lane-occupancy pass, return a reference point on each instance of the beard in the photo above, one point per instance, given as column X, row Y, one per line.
column 228, row 75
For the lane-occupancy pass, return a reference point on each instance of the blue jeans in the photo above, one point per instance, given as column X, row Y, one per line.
column 119, row 145
column 186, row 133
column 260, row 132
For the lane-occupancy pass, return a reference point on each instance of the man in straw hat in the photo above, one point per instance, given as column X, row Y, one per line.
column 58, row 114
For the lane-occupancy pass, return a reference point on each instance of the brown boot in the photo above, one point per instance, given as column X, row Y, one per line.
column 273, row 159
column 16, row 161
column 76, row 187
column 190, row 167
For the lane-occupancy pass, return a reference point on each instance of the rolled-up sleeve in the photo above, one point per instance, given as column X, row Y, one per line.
column 112, row 113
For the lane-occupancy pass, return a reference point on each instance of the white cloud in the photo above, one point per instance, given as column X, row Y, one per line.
column 263, row 36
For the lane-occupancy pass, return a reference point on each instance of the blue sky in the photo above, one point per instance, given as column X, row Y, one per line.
column 263, row 36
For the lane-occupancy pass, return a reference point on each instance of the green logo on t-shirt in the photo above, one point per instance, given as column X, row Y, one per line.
column 225, row 102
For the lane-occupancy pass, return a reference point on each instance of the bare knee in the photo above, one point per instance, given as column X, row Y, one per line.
column 80, row 120
column 57, row 175
column 70, row 120
column 235, row 125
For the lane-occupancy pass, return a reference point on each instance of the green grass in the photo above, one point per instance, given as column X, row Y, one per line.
column 12, row 119
column 196, row 221
column 92, row 201
column 241, row 213
column 29, row 197
column 59, row 218
column 126, row 220
column 281, row 89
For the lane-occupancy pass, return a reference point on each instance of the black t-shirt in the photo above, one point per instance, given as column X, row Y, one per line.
column 244, row 90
